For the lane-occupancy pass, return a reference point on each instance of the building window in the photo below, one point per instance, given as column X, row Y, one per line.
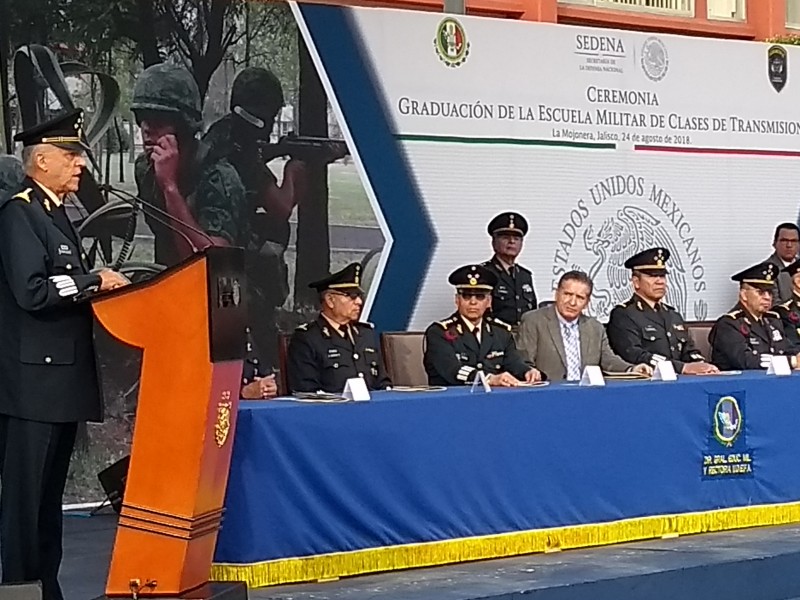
column 727, row 10
column 677, row 8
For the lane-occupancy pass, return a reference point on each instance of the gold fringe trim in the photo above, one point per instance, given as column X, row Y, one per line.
column 371, row 560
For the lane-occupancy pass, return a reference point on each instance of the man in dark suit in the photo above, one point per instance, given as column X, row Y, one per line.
column 561, row 341
column 47, row 361
column 786, row 243
column 646, row 330
column 514, row 294
column 470, row 341
column 751, row 333
column 336, row 346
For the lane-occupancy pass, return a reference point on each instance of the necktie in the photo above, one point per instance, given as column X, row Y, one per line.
column 573, row 353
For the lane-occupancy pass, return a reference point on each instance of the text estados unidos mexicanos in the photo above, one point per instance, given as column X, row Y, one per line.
column 608, row 117
column 732, row 464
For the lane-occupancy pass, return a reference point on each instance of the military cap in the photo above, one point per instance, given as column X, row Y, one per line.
column 348, row 279
column 508, row 222
column 762, row 275
column 64, row 131
column 652, row 261
column 792, row 268
column 473, row 277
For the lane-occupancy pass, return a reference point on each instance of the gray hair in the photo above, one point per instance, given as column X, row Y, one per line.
column 578, row 276
column 28, row 155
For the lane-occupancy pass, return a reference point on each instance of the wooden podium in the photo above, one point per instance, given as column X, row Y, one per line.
column 190, row 322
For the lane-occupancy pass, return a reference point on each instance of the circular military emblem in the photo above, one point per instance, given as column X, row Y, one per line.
column 451, row 42
column 727, row 420
column 655, row 61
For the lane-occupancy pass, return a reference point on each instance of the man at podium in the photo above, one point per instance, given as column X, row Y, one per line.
column 47, row 361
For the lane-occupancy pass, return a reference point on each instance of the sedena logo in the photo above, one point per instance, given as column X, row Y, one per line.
column 451, row 42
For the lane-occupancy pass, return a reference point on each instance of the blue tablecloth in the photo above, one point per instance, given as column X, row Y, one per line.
column 409, row 468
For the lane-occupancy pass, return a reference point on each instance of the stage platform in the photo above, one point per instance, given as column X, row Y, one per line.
column 749, row 564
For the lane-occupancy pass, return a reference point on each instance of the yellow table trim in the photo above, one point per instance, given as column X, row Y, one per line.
column 389, row 558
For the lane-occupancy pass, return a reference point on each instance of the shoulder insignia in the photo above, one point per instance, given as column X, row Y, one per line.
column 445, row 324
column 772, row 313
column 303, row 327
column 734, row 314
column 500, row 323
column 24, row 195
column 787, row 304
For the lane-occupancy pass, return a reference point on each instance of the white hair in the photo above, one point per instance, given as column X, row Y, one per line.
column 29, row 156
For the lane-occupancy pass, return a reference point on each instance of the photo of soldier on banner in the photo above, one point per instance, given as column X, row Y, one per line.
column 209, row 125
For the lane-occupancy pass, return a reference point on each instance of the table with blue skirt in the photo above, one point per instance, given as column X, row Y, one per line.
column 411, row 479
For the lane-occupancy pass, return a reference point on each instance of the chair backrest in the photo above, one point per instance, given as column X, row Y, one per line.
column 283, row 361
column 403, row 352
column 698, row 331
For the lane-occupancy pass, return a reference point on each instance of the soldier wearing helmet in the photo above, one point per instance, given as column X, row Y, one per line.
column 238, row 137
column 176, row 171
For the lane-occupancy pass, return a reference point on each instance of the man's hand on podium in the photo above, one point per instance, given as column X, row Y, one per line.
column 260, row 388
column 111, row 280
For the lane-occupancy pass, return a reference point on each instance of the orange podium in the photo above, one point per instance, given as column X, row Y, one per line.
column 190, row 322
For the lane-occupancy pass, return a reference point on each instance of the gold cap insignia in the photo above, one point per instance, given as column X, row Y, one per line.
column 223, row 425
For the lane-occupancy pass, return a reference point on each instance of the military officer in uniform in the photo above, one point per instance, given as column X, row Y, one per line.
column 470, row 341
column 258, row 383
column 746, row 337
column 326, row 352
column 789, row 311
column 47, row 360
column 646, row 330
column 514, row 294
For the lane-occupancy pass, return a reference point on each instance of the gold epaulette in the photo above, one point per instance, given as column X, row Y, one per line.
column 25, row 195
column 501, row 323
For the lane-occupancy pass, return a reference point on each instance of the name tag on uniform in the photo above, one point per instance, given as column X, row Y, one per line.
column 495, row 354
column 463, row 357
column 753, row 341
column 679, row 327
column 369, row 350
column 333, row 353
column 63, row 249
column 776, row 335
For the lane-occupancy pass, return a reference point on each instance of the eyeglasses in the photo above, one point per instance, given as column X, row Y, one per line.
column 789, row 240
column 476, row 295
column 353, row 295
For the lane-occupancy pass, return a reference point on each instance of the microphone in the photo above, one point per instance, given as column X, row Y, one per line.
column 157, row 214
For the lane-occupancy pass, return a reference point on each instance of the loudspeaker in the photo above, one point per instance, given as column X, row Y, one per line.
column 113, row 479
column 21, row 591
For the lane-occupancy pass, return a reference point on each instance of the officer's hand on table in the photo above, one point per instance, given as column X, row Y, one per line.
column 699, row 368
column 643, row 369
column 503, row 380
column 533, row 376
column 111, row 280
column 260, row 388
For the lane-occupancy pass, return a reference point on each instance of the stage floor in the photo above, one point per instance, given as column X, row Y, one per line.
column 750, row 563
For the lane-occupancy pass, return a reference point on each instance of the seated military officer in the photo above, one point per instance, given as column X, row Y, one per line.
column 326, row 352
column 646, row 330
column 514, row 294
column 746, row 337
column 471, row 341
column 789, row 311
column 257, row 383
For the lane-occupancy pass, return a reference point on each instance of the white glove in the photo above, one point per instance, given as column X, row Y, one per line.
column 766, row 359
